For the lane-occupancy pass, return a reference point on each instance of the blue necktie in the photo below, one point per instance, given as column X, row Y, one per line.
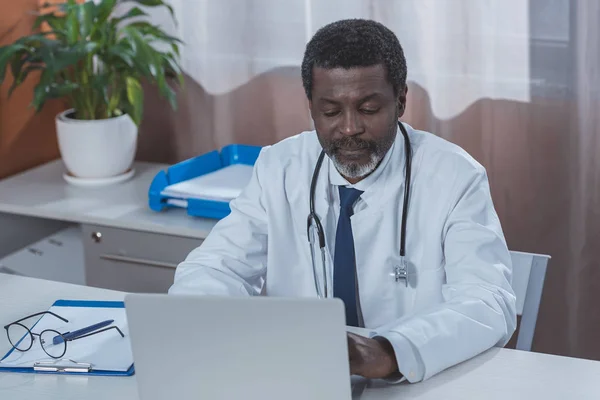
column 344, row 264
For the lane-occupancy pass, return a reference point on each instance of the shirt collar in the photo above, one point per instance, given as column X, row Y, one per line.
column 336, row 179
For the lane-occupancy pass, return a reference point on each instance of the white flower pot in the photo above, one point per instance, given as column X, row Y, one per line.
column 96, row 149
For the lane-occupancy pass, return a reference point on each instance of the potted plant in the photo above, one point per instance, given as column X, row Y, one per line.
column 97, row 61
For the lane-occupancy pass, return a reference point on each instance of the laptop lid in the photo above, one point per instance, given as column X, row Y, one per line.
column 247, row 348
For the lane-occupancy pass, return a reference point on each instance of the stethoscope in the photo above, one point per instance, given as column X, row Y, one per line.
column 315, row 228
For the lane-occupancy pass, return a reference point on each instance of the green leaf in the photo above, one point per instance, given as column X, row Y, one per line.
column 101, row 81
column 134, row 12
column 37, row 41
column 86, row 12
column 146, row 28
column 64, row 7
column 105, row 34
column 173, row 67
column 155, row 3
column 40, row 19
column 42, row 90
column 171, row 97
column 145, row 56
column 72, row 26
column 60, row 58
column 152, row 63
column 58, row 90
column 104, row 10
column 135, row 96
column 6, row 55
column 175, row 48
column 61, row 35
column 161, row 79
column 22, row 76
column 120, row 53
column 16, row 65
column 57, row 23
column 39, row 96
column 90, row 47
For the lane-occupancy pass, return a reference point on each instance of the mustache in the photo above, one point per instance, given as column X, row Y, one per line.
column 352, row 143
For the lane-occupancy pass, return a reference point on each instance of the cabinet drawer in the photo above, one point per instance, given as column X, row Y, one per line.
column 133, row 261
column 58, row 257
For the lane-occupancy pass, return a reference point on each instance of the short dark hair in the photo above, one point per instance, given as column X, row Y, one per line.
column 352, row 43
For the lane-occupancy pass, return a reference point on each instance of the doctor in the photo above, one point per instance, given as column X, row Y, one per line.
column 425, row 267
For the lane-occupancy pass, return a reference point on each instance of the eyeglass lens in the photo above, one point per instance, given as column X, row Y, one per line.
column 47, row 341
column 20, row 337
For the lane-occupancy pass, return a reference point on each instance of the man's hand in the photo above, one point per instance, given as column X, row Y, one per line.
column 371, row 358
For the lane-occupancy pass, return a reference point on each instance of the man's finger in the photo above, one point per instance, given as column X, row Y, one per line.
column 353, row 355
column 352, row 345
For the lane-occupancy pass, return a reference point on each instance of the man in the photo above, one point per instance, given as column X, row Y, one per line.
column 456, row 299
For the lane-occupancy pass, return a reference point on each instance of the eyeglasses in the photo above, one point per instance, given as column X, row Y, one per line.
column 53, row 342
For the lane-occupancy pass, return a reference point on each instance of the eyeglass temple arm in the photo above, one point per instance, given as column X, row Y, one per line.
column 100, row 331
column 35, row 315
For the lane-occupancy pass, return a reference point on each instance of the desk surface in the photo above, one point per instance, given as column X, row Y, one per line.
column 42, row 192
column 497, row 374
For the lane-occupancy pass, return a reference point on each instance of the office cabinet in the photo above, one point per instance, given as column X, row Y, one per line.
column 132, row 261
column 57, row 257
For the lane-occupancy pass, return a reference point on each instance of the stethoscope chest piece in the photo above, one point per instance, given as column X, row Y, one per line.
column 400, row 272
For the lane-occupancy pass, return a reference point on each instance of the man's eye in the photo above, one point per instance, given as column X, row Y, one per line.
column 330, row 113
column 369, row 110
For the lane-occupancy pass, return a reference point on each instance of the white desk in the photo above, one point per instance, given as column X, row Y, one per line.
column 497, row 374
column 136, row 241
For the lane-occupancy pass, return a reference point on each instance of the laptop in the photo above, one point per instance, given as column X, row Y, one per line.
column 196, row 347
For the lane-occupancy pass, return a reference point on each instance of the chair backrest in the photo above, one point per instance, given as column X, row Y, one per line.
column 529, row 272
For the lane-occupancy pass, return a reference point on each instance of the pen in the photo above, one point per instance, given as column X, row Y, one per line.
column 83, row 331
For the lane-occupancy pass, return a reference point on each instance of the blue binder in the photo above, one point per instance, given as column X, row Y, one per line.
column 74, row 303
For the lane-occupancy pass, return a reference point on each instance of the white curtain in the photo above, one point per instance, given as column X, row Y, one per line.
column 460, row 51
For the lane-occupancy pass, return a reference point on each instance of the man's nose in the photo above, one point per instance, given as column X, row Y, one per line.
column 351, row 124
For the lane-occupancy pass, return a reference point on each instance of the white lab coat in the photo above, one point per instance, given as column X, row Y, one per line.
column 459, row 300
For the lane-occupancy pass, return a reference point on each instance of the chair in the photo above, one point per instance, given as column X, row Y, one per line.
column 529, row 272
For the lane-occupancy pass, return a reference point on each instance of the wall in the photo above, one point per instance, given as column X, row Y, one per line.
column 27, row 139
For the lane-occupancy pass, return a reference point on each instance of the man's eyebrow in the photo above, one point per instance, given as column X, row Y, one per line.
column 371, row 96
column 326, row 100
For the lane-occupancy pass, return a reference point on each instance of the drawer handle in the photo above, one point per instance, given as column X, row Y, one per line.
column 139, row 261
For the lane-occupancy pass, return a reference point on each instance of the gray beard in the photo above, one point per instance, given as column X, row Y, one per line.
column 355, row 171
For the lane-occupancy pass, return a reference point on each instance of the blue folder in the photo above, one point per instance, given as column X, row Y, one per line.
column 74, row 303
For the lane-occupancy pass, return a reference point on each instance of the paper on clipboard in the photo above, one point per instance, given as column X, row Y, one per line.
column 222, row 185
column 106, row 351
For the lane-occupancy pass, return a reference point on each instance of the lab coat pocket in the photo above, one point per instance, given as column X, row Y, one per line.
column 421, row 288
column 428, row 288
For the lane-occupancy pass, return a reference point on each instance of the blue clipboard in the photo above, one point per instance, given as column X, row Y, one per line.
column 91, row 371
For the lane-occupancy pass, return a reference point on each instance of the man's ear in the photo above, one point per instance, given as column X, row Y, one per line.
column 402, row 101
